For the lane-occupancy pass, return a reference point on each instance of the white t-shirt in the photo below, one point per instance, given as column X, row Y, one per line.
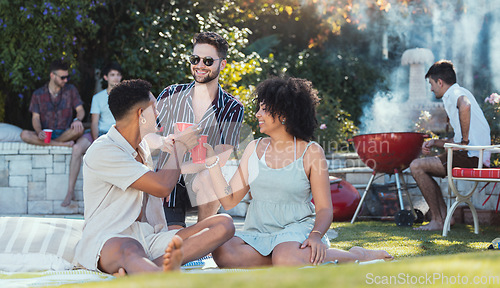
column 111, row 205
column 479, row 130
column 100, row 106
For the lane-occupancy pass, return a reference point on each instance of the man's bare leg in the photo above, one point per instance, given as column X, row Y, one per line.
column 69, row 135
column 81, row 145
column 31, row 137
column 423, row 170
column 119, row 255
column 206, row 236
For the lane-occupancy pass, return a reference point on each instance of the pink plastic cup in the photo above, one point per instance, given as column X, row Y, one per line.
column 48, row 135
column 183, row 125
column 199, row 153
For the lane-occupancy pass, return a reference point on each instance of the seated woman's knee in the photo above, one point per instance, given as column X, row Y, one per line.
column 224, row 257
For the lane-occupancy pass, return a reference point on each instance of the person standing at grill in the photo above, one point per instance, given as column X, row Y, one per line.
column 205, row 103
column 470, row 128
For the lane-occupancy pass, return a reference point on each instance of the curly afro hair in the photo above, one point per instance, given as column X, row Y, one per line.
column 293, row 99
column 127, row 94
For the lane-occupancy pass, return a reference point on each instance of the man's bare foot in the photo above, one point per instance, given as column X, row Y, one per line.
column 67, row 200
column 368, row 255
column 172, row 259
column 431, row 226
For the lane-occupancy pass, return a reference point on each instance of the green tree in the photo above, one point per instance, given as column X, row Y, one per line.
column 315, row 42
column 32, row 34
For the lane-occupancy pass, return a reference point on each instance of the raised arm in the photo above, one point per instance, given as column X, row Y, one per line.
column 162, row 182
column 230, row 194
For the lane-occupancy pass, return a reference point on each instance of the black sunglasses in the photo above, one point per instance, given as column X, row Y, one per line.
column 62, row 77
column 208, row 61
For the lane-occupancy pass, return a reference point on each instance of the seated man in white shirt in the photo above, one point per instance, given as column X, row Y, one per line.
column 125, row 227
column 470, row 128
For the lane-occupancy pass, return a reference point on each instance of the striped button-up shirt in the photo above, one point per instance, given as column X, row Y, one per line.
column 221, row 122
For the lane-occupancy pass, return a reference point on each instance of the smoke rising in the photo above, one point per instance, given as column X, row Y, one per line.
column 467, row 32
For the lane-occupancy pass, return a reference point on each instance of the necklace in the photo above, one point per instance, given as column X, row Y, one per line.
column 54, row 94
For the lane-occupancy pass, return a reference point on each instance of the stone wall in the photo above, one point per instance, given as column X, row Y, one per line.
column 34, row 180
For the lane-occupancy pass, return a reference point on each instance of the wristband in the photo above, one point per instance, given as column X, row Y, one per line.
column 76, row 119
column 213, row 164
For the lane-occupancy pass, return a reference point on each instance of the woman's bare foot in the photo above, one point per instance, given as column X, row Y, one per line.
column 172, row 259
column 368, row 255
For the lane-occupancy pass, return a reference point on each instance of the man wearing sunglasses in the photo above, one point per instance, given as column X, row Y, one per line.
column 52, row 107
column 205, row 103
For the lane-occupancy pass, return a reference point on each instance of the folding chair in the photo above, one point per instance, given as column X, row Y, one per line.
column 476, row 175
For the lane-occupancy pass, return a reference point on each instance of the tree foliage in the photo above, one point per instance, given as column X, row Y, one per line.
column 34, row 33
column 152, row 40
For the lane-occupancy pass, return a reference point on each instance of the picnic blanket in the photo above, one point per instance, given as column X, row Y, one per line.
column 39, row 251
column 56, row 278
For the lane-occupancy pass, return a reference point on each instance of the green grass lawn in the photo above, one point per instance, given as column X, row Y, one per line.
column 421, row 258
column 404, row 242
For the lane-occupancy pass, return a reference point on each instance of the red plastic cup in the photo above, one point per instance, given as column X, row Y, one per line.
column 48, row 135
column 199, row 153
column 183, row 125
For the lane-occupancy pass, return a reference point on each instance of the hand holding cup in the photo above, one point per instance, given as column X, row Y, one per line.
column 46, row 135
column 189, row 136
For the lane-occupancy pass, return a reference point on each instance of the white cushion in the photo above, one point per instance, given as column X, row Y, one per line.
column 36, row 244
column 10, row 133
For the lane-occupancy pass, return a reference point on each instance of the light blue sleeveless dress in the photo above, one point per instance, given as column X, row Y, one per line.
column 281, row 208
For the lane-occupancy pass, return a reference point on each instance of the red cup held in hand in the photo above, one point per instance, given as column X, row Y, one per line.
column 183, row 125
column 48, row 135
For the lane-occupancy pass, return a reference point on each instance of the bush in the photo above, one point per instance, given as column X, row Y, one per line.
column 33, row 34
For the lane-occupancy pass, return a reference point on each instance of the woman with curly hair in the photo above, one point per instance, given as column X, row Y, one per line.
column 283, row 172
